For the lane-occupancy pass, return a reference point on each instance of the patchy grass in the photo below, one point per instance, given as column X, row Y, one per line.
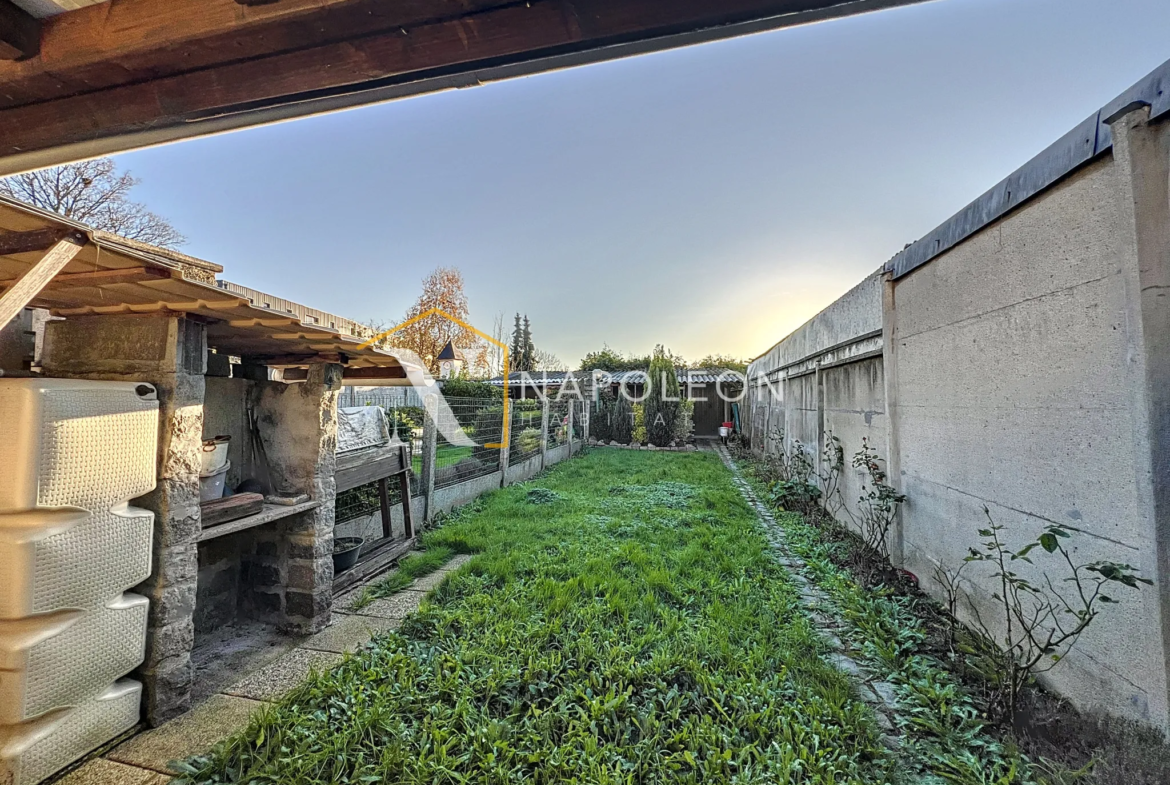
column 635, row 630
column 409, row 569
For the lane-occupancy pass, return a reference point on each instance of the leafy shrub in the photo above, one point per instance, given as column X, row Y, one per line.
column 622, row 421
column 684, row 427
column 661, row 413
column 471, row 388
column 639, row 432
column 601, row 421
column 527, row 440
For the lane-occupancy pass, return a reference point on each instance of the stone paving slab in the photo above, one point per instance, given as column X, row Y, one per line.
column 396, row 606
column 428, row 582
column 349, row 633
column 106, row 772
column 189, row 734
column 273, row 681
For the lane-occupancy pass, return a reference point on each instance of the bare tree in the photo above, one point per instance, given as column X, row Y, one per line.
column 94, row 193
column 547, row 361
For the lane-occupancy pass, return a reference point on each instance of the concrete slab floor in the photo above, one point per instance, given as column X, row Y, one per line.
column 106, row 772
column 349, row 633
column 190, row 734
column 243, row 646
column 396, row 606
column 274, row 680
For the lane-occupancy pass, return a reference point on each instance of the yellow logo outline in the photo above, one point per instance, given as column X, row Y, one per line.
column 507, row 420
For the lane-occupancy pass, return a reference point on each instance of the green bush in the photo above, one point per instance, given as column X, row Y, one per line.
column 661, row 414
column 601, row 421
column 471, row 388
column 527, row 440
column 622, row 421
column 639, row 431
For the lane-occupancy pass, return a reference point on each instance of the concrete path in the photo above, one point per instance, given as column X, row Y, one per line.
column 145, row 759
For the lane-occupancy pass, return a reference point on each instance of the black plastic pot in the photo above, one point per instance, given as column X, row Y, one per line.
column 345, row 553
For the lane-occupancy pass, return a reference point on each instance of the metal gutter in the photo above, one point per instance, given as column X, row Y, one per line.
column 1080, row 146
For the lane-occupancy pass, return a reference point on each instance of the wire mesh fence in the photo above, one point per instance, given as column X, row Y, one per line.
column 466, row 426
column 579, row 423
column 558, row 422
column 524, row 440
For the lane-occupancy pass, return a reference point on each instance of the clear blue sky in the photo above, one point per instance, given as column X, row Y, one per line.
column 711, row 198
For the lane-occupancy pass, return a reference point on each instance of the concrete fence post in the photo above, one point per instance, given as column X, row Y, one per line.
column 505, row 440
column 429, row 445
column 544, row 433
column 569, row 429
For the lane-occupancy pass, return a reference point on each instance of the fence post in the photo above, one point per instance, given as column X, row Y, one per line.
column 569, row 429
column 430, row 442
column 506, row 441
column 544, row 433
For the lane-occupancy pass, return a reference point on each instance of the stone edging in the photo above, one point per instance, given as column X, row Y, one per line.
column 880, row 695
column 684, row 448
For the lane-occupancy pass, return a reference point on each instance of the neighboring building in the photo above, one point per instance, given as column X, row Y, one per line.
column 451, row 361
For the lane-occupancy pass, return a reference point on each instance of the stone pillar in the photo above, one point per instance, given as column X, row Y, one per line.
column 170, row 353
column 298, row 425
column 429, row 446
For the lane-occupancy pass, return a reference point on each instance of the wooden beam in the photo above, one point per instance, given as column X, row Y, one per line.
column 20, row 294
column 346, row 54
column 12, row 243
column 20, row 32
column 102, row 278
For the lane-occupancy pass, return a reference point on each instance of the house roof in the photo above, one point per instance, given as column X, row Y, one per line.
column 450, row 352
column 114, row 276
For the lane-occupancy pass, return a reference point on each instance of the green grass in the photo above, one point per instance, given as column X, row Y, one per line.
column 414, row 566
column 628, row 627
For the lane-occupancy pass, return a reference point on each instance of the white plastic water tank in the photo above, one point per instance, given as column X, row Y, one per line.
column 34, row 750
column 53, row 560
column 61, row 660
column 75, row 443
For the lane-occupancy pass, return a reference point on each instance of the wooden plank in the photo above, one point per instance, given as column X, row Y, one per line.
column 37, row 240
column 353, row 62
column 404, row 490
column 270, row 513
column 373, row 562
column 20, row 294
column 384, row 505
column 229, row 508
column 385, row 465
column 20, row 32
column 101, row 278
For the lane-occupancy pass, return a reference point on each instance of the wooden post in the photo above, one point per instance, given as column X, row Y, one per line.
column 384, row 504
column 544, row 433
column 430, row 443
column 404, row 489
column 22, row 292
column 569, row 427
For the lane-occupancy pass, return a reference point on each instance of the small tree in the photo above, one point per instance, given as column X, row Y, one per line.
column 662, row 399
column 622, row 421
column 1042, row 624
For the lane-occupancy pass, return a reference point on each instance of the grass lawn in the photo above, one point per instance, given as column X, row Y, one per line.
column 621, row 622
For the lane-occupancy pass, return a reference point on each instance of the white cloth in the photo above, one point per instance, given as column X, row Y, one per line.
column 359, row 427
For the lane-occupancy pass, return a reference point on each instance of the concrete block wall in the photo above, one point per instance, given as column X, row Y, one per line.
column 1023, row 367
column 1020, row 366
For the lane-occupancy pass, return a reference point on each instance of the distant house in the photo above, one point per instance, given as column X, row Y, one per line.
column 451, row 361
column 715, row 391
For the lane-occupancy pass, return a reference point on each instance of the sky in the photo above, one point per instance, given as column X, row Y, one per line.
column 711, row 198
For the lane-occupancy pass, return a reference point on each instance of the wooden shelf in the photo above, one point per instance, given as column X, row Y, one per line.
column 270, row 513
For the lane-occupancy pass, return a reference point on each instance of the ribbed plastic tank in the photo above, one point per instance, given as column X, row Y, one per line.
column 61, row 660
column 32, row 751
column 74, row 453
column 75, row 443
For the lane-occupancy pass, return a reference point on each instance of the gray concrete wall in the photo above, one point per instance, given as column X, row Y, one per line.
column 523, row 471
column 1018, row 369
column 854, row 405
